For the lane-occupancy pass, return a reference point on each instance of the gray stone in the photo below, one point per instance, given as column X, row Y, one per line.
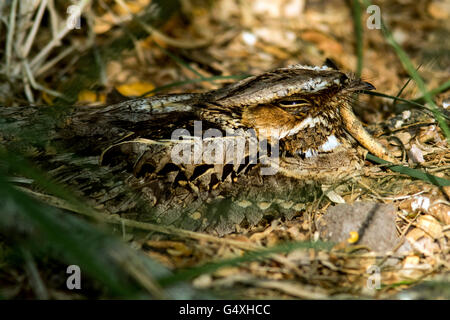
column 374, row 222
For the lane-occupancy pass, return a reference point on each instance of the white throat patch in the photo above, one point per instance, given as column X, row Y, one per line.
column 330, row 144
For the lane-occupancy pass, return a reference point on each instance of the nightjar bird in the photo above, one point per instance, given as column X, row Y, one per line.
column 304, row 109
column 299, row 118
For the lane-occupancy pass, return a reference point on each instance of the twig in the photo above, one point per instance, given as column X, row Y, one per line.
column 400, row 241
column 24, row 13
column 56, row 39
column 134, row 267
column 54, row 61
column 356, row 129
column 37, row 86
column 37, row 21
column 27, row 88
column 2, row 4
column 184, row 44
column 288, row 287
column 181, row 232
column 54, row 21
column 370, row 189
column 10, row 36
column 399, row 197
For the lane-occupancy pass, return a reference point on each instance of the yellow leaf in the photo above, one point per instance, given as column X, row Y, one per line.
column 131, row 7
column 47, row 98
column 135, row 89
column 86, row 96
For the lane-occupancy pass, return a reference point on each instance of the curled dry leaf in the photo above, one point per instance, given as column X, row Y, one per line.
column 441, row 211
column 421, row 243
column 430, row 225
column 422, row 238
column 404, row 137
column 416, row 154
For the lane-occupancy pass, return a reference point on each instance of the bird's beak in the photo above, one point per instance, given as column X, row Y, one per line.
column 367, row 86
column 360, row 86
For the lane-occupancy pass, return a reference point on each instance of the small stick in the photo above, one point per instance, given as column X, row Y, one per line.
column 54, row 61
column 11, row 28
column 37, row 21
column 35, row 85
column 54, row 20
column 355, row 128
column 27, row 88
column 56, row 41
column 184, row 44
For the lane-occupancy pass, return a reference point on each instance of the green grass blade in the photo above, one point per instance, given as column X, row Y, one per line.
column 75, row 242
column 404, row 86
column 442, row 88
column 410, row 102
column 413, row 173
column 23, row 167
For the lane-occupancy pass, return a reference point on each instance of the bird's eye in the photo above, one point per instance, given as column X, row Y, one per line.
column 294, row 103
column 343, row 78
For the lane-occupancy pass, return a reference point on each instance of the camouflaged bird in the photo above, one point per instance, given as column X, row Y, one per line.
column 305, row 110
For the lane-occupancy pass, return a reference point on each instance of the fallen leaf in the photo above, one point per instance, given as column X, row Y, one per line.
column 135, row 89
column 430, row 225
column 87, row 96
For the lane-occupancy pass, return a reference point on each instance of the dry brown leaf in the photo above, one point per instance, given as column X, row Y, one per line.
column 172, row 247
column 441, row 212
column 258, row 236
column 439, row 9
column 131, row 6
column 104, row 23
column 430, row 225
column 328, row 45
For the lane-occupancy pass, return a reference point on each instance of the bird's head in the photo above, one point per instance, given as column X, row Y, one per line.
column 297, row 104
